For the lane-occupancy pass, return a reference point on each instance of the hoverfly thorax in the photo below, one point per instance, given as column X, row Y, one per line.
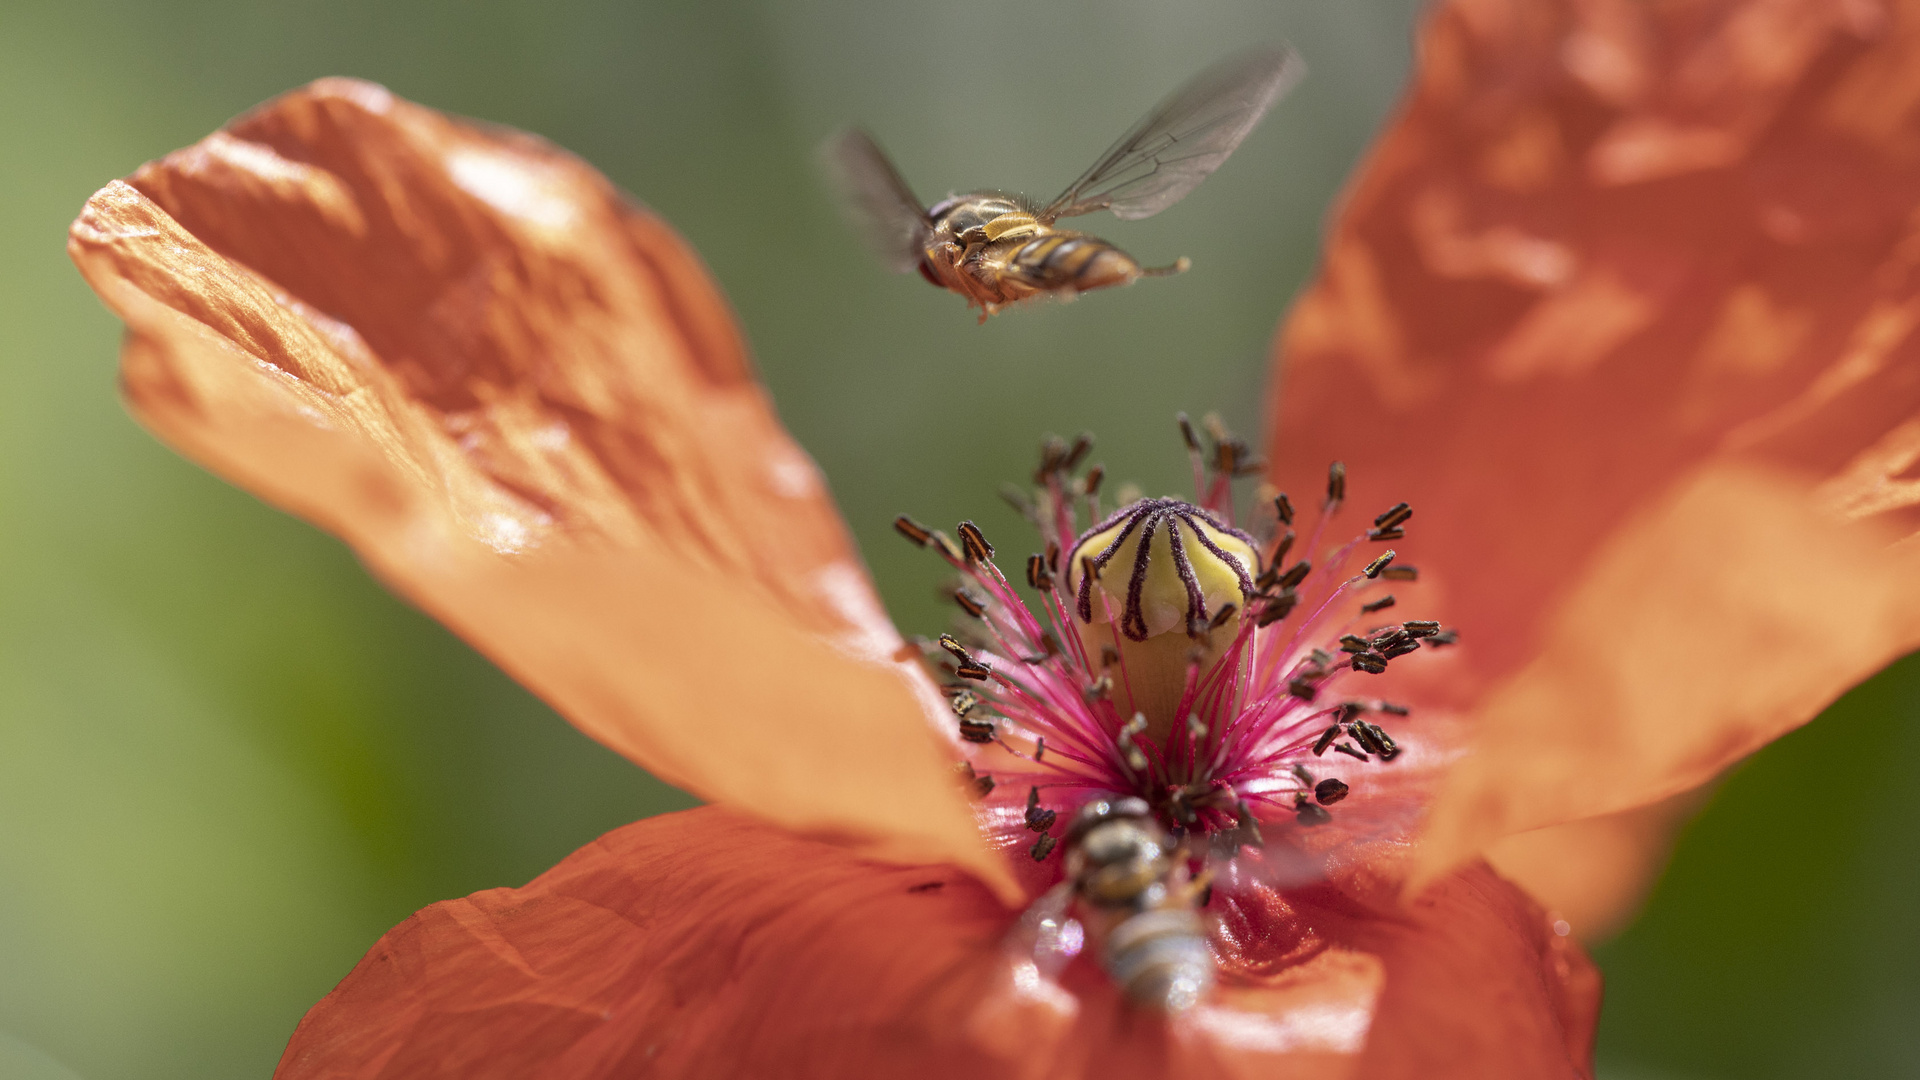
column 1183, row 683
column 996, row 250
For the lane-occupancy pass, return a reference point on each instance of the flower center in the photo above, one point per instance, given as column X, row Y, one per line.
column 1172, row 656
column 1161, row 587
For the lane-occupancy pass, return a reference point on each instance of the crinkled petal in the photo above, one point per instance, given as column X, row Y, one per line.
column 1624, row 305
column 703, row 944
column 521, row 400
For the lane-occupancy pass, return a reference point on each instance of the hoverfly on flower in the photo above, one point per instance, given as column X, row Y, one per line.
column 1160, row 704
column 997, row 249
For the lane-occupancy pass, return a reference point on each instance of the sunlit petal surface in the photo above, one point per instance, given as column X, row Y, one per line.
column 522, row 401
column 1624, row 304
column 704, row 944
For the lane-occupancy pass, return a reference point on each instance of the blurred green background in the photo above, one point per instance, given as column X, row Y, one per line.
column 228, row 761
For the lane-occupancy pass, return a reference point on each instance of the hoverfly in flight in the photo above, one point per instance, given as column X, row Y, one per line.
column 997, row 249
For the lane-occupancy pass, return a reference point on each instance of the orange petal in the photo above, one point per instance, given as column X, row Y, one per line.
column 703, row 944
column 1593, row 873
column 1624, row 304
column 521, row 400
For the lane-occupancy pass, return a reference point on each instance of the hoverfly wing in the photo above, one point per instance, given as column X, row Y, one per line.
column 1184, row 138
column 1046, row 934
column 876, row 200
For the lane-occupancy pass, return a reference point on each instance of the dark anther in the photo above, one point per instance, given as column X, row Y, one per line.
column 1336, row 483
column 1082, row 443
column 1363, row 733
column 1301, row 773
column 1220, row 617
column 969, row 667
column 976, row 730
column 1053, row 556
column 1400, row 648
column 1304, row 689
column 1444, row 637
column 1420, row 627
column 1281, row 548
column 1249, row 825
column 1390, row 707
column 1040, row 748
column 1400, row 573
column 1350, row 751
column 978, row 550
column 1283, row 507
column 1373, row 568
column 1378, row 605
column 1386, row 534
column 1039, row 818
column 1109, row 656
column 1038, row 575
column 1371, row 663
column 1329, row 791
column 1395, row 514
column 984, row 783
column 1053, row 453
column 970, row 603
column 925, row 886
column 913, row 530
column 1186, row 432
column 1278, row 607
column 1042, row 848
column 1091, row 485
column 1295, row 574
column 1373, row 738
column 963, row 702
column 1325, row 740
column 1311, row 814
column 1353, row 644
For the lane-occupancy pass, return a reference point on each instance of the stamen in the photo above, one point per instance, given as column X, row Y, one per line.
column 1396, row 514
column 1329, row 791
column 1169, row 690
column 978, row 550
column 915, row 532
column 1038, row 576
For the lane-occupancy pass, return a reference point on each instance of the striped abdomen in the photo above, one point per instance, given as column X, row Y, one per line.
column 1070, row 260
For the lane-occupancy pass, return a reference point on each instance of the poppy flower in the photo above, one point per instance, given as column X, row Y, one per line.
column 1621, row 305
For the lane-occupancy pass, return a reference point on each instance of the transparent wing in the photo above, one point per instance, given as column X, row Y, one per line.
column 876, row 200
column 1047, row 935
column 1184, row 138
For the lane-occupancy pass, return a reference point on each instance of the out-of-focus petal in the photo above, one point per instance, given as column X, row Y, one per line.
column 1624, row 305
column 522, row 401
column 1593, row 873
column 703, row 944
